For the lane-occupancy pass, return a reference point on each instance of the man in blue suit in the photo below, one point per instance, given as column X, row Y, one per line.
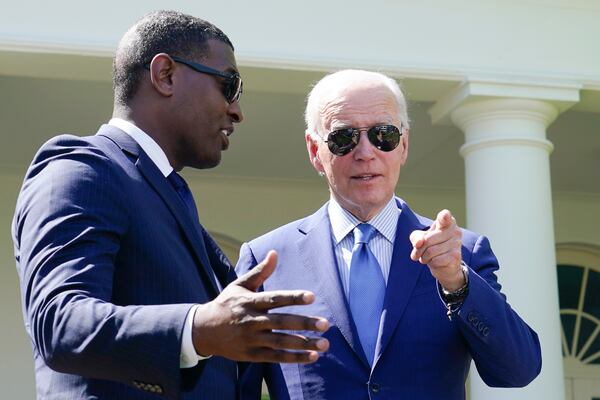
column 411, row 300
column 125, row 295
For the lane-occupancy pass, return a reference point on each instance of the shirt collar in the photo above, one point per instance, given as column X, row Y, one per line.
column 150, row 147
column 343, row 222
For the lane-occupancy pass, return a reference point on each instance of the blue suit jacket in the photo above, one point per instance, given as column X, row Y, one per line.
column 420, row 354
column 110, row 262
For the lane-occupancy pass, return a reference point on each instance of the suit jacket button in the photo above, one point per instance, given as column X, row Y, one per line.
column 472, row 317
column 375, row 387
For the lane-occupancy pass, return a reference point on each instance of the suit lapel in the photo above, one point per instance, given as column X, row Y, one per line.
column 404, row 274
column 316, row 251
column 191, row 229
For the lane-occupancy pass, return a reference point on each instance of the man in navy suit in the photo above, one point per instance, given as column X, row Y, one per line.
column 125, row 295
column 411, row 300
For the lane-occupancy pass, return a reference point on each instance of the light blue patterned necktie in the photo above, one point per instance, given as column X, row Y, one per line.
column 367, row 289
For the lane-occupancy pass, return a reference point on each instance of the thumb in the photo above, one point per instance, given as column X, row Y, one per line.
column 417, row 238
column 254, row 278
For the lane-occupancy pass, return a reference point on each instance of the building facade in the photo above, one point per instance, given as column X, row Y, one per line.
column 504, row 99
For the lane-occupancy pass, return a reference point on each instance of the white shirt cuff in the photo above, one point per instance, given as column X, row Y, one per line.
column 189, row 358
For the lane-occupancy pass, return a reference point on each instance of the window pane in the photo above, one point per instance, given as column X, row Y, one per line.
column 568, row 323
column 592, row 295
column 569, row 285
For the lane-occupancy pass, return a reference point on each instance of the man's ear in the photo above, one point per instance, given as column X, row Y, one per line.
column 162, row 68
column 312, row 145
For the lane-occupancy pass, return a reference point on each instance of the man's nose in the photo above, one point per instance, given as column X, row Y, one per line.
column 364, row 150
column 235, row 112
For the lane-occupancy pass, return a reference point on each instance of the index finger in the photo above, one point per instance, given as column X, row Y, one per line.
column 291, row 322
column 444, row 219
column 281, row 298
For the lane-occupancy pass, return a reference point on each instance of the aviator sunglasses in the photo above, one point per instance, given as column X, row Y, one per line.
column 233, row 87
column 383, row 137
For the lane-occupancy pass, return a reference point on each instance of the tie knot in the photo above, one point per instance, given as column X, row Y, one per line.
column 176, row 180
column 363, row 233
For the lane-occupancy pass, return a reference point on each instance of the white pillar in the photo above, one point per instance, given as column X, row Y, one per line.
column 508, row 198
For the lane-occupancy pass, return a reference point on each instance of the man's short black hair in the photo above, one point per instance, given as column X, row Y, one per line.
column 162, row 31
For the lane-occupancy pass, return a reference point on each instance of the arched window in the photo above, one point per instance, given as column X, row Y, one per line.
column 578, row 268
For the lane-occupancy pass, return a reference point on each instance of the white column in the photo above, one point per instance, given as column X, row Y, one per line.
column 508, row 198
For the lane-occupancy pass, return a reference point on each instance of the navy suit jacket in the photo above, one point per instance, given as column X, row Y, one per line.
column 420, row 354
column 110, row 262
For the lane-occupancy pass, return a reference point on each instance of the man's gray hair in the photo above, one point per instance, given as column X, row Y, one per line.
column 345, row 78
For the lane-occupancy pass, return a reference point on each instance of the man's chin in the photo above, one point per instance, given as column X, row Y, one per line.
column 207, row 163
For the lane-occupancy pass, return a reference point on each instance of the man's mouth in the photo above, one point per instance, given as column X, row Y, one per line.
column 225, row 138
column 365, row 177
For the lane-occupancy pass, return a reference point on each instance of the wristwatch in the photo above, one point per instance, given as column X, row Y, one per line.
column 459, row 294
column 454, row 299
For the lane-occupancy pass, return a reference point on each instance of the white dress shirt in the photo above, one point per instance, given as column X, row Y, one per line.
column 188, row 358
column 382, row 244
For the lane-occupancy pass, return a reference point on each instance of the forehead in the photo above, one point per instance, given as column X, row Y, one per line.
column 359, row 105
column 220, row 56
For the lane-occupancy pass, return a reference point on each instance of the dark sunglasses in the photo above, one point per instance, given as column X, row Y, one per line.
column 383, row 137
column 233, row 87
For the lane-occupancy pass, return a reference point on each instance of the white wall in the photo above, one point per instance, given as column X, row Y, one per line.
column 577, row 217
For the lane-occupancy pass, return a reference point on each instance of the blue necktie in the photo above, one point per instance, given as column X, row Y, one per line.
column 367, row 289
column 184, row 192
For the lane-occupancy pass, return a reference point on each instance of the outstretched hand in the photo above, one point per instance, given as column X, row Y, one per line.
column 237, row 324
column 440, row 248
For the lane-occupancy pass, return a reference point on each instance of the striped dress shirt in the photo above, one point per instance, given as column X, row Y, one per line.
column 382, row 244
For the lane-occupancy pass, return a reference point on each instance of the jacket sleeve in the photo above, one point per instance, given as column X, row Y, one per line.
column 69, row 224
column 246, row 260
column 505, row 349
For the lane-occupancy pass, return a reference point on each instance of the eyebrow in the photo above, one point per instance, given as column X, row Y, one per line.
column 353, row 126
column 231, row 69
column 234, row 70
